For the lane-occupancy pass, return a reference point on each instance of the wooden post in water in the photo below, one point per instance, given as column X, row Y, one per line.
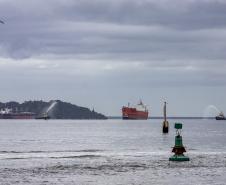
column 165, row 124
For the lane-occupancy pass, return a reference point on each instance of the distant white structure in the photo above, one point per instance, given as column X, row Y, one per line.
column 5, row 111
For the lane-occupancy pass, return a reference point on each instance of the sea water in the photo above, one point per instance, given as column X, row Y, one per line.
column 110, row 152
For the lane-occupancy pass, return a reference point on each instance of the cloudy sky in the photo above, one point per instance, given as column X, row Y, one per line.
column 106, row 53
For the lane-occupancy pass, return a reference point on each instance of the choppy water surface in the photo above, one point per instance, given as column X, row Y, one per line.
column 110, row 152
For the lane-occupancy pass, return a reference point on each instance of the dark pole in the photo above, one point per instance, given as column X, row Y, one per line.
column 165, row 124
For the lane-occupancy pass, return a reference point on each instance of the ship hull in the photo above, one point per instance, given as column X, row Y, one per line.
column 43, row 117
column 133, row 114
column 5, row 116
column 17, row 116
column 220, row 118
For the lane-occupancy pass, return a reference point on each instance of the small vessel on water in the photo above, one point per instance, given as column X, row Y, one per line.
column 140, row 111
column 220, row 116
column 44, row 116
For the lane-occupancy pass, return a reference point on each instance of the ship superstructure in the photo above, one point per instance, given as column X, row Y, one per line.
column 220, row 116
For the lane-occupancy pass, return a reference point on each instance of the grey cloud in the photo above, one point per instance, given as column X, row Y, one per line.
column 176, row 14
column 72, row 27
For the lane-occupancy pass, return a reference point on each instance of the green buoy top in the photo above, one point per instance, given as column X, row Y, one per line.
column 178, row 126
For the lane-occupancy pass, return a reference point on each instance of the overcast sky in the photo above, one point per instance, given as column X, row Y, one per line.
column 106, row 53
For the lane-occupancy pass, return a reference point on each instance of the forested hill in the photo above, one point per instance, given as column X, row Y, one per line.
column 56, row 109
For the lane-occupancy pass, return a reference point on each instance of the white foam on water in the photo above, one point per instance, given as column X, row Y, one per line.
column 53, row 104
column 210, row 111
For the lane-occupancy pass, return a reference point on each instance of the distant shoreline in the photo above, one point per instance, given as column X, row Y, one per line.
column 172, row 117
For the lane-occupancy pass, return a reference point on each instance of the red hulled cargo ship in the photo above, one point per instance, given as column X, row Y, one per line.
column 138, row 112
column 9, row 114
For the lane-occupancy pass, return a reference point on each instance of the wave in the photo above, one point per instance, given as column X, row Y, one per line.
column 60, row 157
column 51, row 151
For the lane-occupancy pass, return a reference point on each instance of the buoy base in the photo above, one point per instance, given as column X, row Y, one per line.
column 179, row 158
column 165, row 129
